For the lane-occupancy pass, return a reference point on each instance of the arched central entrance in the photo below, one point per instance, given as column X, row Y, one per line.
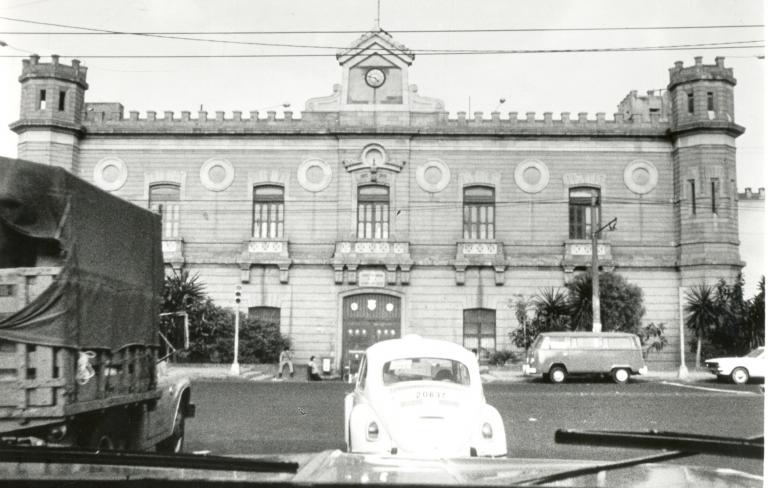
column 367, row 318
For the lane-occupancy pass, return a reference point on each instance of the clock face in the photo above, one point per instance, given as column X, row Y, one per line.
column 375, row 77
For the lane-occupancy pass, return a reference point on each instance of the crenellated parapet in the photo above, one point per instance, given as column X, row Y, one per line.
column 110, row 118
column 33, row 68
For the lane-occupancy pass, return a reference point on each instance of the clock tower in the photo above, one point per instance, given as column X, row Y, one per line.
column 375, row 79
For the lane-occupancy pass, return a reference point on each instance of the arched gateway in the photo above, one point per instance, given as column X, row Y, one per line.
column 367, row 318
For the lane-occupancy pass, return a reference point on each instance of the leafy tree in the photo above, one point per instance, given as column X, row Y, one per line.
column 527, row 329
column 211, row 327
column 621, row 303
column 755, row 319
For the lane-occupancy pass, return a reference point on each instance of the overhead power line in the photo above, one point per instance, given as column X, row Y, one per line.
column 685, row 47
column 100, row 31
column 391, row 31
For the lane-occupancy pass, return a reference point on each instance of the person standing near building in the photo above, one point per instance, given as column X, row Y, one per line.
column 285, row 360
column 313, row 374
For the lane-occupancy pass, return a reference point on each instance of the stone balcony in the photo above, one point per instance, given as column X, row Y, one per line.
column 264, row 252
column 395, row 257
column 173, row 252
column 577, row 253
column 480, row 254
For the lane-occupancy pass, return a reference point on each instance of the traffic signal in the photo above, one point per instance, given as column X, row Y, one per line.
column 238, row 294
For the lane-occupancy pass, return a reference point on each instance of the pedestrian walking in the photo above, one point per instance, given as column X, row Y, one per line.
column 313, row 374
column 286, row 359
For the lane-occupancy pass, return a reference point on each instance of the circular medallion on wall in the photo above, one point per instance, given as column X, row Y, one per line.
column 217, row 174
column 532, row 176
column 110, row 174
column 433, row 176
column 641, row 176
column 314, row 175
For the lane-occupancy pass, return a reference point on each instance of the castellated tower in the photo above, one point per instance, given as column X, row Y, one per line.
column 704, row 135
column 50, row 119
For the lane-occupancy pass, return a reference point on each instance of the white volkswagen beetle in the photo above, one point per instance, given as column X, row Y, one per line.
column 421, row 398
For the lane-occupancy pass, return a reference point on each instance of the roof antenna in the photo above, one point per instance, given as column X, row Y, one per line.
column 378, row 14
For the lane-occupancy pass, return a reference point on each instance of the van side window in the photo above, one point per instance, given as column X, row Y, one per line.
column 587, row 342
column 618, row 343
column 558, row 343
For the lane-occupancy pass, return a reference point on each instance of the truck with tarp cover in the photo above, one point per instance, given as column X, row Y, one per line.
column 81, row 277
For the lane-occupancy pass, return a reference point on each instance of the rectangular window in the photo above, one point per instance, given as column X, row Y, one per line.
column 479, row 205
column 480, row 332
column 710, row 101
column 690, row 103
column 373, row 212
column 62, row 100
column 692, row 186
column 41, row 103
column 580, row 225
column 164, row 199
column 268, row 211
column 715, row 189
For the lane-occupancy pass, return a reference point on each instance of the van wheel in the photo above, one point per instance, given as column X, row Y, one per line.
column 620, row 375
column 557, row 374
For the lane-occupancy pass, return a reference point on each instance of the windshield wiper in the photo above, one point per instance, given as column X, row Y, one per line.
column 751, row 447
column 33, row 454
column 685, row 444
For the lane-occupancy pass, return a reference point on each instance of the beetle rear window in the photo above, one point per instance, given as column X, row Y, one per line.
column 425, row 369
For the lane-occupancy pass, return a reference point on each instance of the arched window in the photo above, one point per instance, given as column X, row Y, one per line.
column 479, row 212
column 164, row 199
column 268, row 211
column 373, row 212
column 580, row 223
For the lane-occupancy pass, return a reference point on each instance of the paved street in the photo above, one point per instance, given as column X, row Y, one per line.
column 241, row 417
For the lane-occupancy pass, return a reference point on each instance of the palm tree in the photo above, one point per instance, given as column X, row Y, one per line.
column 701, row 313
column 181, row 291
column 552, row 309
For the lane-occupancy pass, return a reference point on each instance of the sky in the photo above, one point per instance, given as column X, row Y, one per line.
column 554, row 82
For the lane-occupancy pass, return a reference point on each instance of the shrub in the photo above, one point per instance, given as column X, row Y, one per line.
column 652, row 338
column 621, row 303
column 499, row 358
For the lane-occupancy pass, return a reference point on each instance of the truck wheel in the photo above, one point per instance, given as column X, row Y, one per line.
column 620, row 375
column 739, row 376
column 557, row 374
column 175, row 443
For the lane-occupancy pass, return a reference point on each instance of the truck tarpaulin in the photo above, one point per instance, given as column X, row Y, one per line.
column 107, row 293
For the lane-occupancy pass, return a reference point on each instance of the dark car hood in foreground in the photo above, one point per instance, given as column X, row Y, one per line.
column 333, row 467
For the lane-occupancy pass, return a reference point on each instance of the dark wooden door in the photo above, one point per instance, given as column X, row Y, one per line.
column 367, row 319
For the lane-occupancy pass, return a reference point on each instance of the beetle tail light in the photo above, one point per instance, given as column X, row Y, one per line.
column 372, row 433
column 487, row 431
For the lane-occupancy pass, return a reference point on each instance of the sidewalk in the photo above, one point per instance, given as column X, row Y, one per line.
column 492, row 374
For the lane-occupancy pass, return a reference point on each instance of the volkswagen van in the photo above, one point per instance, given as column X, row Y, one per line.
column 556, row 355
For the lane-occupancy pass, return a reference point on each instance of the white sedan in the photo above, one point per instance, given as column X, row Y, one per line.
column 421, row 398
column 740, row 370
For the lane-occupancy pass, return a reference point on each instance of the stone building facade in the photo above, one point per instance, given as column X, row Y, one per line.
column 375, row 214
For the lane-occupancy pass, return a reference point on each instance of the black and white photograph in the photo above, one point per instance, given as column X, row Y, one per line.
column 382, row 242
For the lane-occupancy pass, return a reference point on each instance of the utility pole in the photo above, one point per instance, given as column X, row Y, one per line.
column 682, row 372
column 235, row 369
column 596, row 325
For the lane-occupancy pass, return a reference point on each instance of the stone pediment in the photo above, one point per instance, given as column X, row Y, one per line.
column 376, row 41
